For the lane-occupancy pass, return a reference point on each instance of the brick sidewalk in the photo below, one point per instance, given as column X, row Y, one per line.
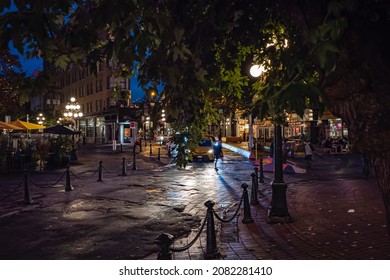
column 339, row 217
column 332, row 218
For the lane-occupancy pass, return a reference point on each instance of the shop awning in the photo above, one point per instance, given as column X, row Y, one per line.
column 4, row 125
column 27, row 125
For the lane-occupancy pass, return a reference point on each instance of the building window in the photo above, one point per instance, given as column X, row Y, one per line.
column 90, row 128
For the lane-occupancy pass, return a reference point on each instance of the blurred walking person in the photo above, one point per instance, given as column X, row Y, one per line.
column 217, row 149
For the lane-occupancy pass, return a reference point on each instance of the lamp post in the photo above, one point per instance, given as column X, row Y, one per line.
column 40, row 119
column 72, row 110
column 163, row 120
column 278, row 210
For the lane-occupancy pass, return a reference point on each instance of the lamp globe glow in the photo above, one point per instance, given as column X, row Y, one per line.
column 256, row 70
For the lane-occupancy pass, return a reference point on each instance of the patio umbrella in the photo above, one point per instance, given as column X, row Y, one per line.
column 60, row 129
column 4, row 125
column 27, row 125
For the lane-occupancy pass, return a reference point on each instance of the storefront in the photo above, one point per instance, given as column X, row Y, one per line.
column 332, row 127
column 337, row 128
column 118, row 125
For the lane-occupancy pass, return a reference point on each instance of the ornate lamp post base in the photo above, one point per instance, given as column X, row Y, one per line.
column 278, row 210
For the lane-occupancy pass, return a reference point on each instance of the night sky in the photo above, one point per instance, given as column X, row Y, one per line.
column 35, row 64
column 31, row 65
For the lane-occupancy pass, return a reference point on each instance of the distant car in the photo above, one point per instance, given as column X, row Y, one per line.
column 204, row 150
column 162, row 139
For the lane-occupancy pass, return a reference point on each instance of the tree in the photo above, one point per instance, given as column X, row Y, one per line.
column 348, row 43
column 337, row 52
column 8, row 78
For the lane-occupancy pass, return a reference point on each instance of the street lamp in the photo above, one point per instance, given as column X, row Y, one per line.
column 257, row 70
column 40, row 119
column 73, row 110
column 146, row 127
column 278, row 210
column 163, row 120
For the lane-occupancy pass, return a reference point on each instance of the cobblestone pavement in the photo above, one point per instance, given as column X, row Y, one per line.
column 336, row 212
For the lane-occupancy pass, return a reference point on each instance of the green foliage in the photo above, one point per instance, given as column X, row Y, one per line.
column 3, row 152
column 61, row 146
column 199, row 51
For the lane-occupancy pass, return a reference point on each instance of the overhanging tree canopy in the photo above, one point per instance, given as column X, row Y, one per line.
column 195, row 48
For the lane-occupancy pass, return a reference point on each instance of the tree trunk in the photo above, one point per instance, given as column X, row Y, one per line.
column 358, row 89
column 381, row 167
column 364, row 112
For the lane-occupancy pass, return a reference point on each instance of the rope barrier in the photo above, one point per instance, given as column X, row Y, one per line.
column 109, row 171
column 165, row 240
column 77, row 176
column 234, row 216
column 186, row 247
column 47, row 186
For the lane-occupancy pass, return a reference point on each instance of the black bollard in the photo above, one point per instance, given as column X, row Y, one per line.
column 100, row 172
column 164, row 241
column 261, row 176
column 211, row 246
column 27, row 198
column 247, row 210
column 254, row 200
column 158, row 154
column 169, row 152
column 68, row 186
column 150, row 149
column 134, row 162
column 124, row 167
column 140, row 145
column 121, row 148
column 256, row 171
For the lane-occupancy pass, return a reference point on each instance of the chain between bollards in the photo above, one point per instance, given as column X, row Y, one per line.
column 165, row 240
column 247, row 210
column 68, row 186
column 27, row 198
